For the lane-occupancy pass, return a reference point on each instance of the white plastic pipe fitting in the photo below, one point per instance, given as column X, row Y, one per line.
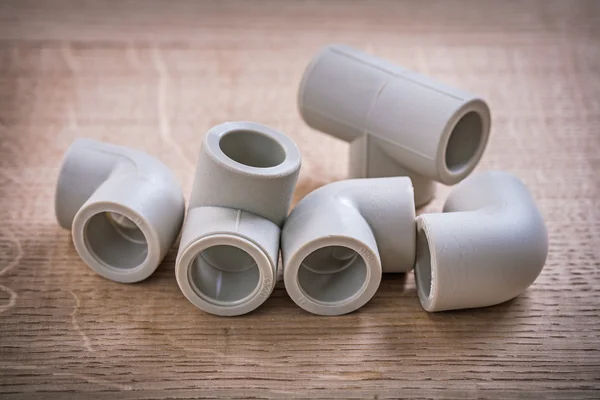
column 487, row 247
column 339, row 239
column 398, row 122
column 124, row 208
column 245, row 178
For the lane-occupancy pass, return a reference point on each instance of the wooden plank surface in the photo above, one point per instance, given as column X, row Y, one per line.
column 158, row 75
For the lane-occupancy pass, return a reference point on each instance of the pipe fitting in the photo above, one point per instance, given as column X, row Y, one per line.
column 245, row 178
column 124, row 208
column 487, row 247
column 339, row 239
column 399, row 123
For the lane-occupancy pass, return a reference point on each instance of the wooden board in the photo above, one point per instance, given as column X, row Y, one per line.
column 158, row 75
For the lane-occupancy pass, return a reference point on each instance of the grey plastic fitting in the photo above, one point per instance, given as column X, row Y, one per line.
column 245, row 178
column 339, row 239
column 488, row 246
column 399, row 123
column 124, row 208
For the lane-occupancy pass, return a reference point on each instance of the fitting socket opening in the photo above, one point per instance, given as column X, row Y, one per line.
column 424, row 270
column 465, row 140
column 115, row 240
column 332, row 274
column 252, row 148
column 225, row 274
column 333, row 278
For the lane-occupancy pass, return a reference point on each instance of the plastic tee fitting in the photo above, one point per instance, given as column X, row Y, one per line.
column 124, row 208
column 339, row 239
column 245, row 177
column 487, row 247
column 398, row 122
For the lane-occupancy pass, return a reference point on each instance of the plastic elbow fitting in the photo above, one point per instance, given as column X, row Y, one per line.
column 487, row 247
column 398, row 122
column 339, row 239
column 229, row 249
column 124, row 208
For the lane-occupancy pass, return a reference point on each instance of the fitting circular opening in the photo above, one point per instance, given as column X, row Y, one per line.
column 423, row 265
column 115, row 240
column 252, row 148
column 332, row 274
column 464, row 142
column 224, row 274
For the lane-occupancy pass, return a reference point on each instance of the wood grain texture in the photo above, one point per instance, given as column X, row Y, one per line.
column 157, row 75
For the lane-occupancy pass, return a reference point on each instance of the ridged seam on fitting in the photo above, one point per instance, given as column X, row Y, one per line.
column 342, row 196
column 123, row 164
column 334, row 197
column 267, row 274
column 357, row 300
column 427, row 301
column 391, row 71
column 445, row 175
column 124, row 160
column 124, row 275
column 291, row 161
column 78, row 145
column 234, row 233
column 367, row 131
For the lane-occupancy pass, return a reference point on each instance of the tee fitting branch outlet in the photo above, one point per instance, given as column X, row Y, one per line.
column 399, row 123
column 339, row 239
column 245, row 178
column 488, row 245
column 124, row 208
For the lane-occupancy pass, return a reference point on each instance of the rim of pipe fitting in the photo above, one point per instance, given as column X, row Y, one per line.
column 116, row 242
column 301, row 281
column 252, row 148
column 425, row 268
column 202, row 281
column 463, row 142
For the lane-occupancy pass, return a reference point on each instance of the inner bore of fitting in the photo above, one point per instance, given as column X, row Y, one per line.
column 224, row 273
column 423, row 264
column 115, row 240
column 332, row 274
column 464, row 141
column 251, row 148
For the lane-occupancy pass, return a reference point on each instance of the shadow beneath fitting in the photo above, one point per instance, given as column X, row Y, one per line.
column 463, row 328
column 393, row 282
column 393, row 294
column 497, row 311
column 396, row 280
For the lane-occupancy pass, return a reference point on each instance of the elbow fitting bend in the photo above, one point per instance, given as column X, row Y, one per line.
column 124, row 208
column 487, row 247
column 399, row 123
column 229, row 249
column 339, row 239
